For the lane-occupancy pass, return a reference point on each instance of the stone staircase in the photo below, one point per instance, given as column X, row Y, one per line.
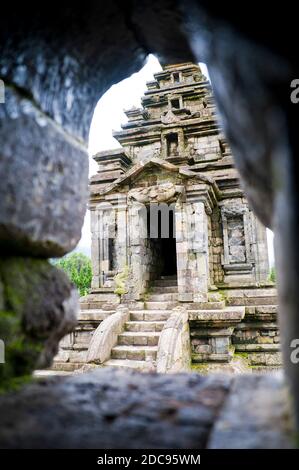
column 74, row 347
column 137, row 346
column 256, row 335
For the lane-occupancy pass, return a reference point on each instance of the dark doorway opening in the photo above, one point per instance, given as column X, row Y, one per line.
column 162, row 237
column 172, row 144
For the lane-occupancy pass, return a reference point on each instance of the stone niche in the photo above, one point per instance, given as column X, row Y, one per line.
column 236, row 239
column 237, row 261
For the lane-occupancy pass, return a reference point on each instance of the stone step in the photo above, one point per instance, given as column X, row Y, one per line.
column 152, row 305
column 82, row 336
column 149, row 338
column 169, row 277
column 144, row 326
column 150, row 315
column 86, row 327
column 94, row 315
column 250, row 292
column 45, row 373
column 165, row 283
column 252, row 301
column 142, row 366
column 262, row 309
column 251, row 296
column 257, row 325
column 262, row 313
column 135, row 353
column 98, row 305
column 228, row 314
column 66, row 366
column 77, row 356
column 257, row 347
column 80, row 346
column 164, row 289
column 83, row 342
column 219, row 305
column 163, row 297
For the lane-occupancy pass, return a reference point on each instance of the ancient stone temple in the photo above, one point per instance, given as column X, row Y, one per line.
column 180, row 261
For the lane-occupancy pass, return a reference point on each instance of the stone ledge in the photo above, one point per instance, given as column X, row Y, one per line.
column 229, row 315
column 256, row 415
column 119, row 409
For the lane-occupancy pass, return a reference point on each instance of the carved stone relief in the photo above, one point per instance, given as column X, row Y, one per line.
column 158, row 193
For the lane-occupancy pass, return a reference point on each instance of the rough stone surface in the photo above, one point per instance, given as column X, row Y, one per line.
column 111, row 409
column 256, row 415
column 65, row 60
column 43, row 189
column 39, row 308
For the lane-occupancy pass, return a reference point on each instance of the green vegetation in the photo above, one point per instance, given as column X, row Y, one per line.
column 202, row 369
column 272, row 274
column 78, row 268
column 222, row 294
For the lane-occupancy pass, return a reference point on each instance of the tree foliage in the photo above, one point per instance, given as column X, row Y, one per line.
column 78, row 268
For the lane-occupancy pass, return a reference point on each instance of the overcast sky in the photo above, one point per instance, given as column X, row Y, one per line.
column 109, row 115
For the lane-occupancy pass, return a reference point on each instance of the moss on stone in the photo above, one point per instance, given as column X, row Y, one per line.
column 21, row 353
column 244, row 355
column 200, row 368
column 23, row 283
column 223, row 294
column 21, row 279
column 146, row 295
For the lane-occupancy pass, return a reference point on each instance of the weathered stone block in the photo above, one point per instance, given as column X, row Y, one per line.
column 43, row 189
column 40, row 307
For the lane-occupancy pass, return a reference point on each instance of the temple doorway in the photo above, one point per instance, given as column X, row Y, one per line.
column 162, row 240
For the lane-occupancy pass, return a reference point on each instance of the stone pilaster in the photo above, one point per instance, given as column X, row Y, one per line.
column 137, row 234
column 185, row 294
column 200, row 250
column 95, row 249
column 122, row 233
column 103, row 227
column 259, row 248
column 192, row 228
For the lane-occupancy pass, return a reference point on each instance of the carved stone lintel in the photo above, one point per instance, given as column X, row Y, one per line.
column 159, row 193
column 233, row 210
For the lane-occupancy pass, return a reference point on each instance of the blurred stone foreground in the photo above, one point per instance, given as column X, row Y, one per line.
column 55, row 65
column 116, row 409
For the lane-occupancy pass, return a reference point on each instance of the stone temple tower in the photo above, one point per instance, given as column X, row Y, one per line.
column 172, row 231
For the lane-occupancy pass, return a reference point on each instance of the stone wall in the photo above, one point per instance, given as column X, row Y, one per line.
column 243, row 331
column 204, row 148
